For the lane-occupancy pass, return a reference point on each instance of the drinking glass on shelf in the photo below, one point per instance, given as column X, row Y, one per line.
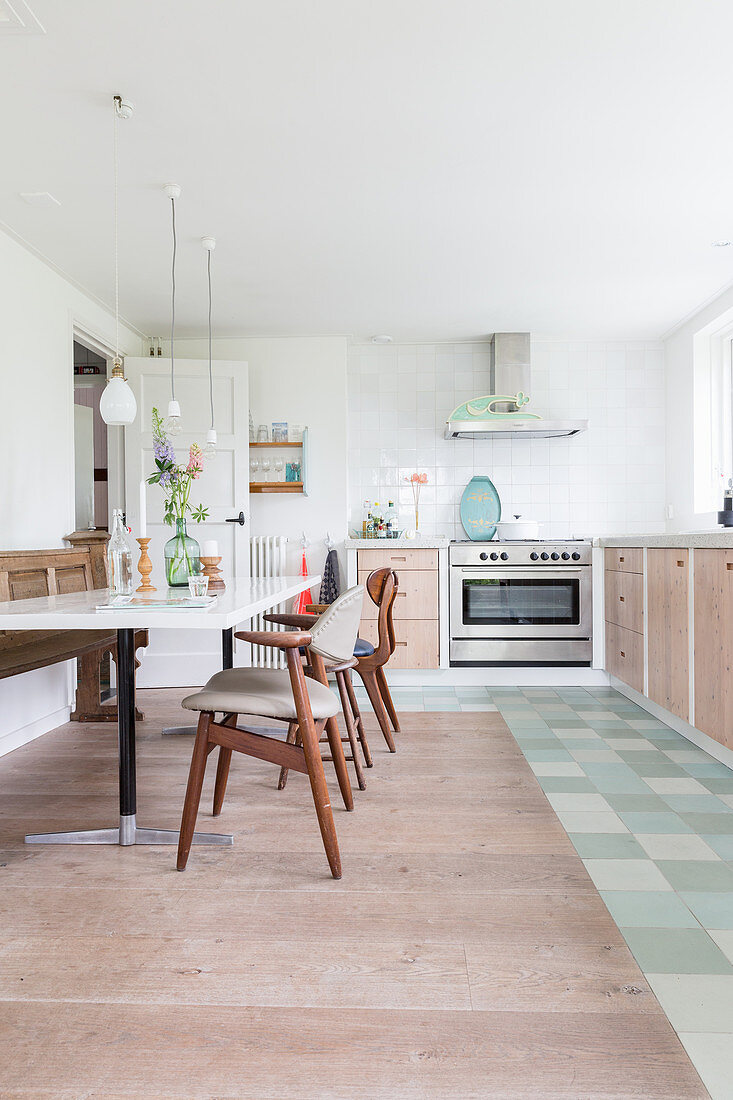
column 279, row 467
column 265, row 469
column 254, row 465
column 263, row 434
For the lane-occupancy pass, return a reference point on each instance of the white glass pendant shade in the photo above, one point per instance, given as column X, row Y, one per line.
column 117, row 404
column 173, row 424
column 210, row 448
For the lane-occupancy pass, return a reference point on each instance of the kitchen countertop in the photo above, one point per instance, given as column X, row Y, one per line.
column 424, row 542
column 720, row 539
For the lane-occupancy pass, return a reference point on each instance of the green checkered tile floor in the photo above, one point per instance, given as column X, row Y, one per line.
column 651, row 815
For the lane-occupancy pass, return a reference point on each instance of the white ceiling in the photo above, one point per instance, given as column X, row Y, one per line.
column 427, row 169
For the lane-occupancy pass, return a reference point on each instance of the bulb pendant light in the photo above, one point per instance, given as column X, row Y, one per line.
column 173, row 425
column 117, row 404
column 209, row 452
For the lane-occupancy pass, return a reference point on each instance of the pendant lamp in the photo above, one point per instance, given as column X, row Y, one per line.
column 173, row 425
column 117, row 404
column 209, row 244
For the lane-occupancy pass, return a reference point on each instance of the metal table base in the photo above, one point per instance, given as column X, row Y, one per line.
column 127, row 832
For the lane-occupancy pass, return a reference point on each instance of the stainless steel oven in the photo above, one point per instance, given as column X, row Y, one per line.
column 521, row 603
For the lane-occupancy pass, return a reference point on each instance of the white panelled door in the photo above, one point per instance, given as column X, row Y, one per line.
column 187, row 658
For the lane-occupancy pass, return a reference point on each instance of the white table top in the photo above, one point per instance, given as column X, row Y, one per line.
column 239, row 601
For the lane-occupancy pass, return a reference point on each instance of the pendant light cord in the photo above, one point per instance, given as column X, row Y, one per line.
column 116, row 248
column 211, row 375
column 173, row 294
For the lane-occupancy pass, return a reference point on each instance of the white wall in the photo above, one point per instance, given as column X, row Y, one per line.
column 39, row 310
column 680, row 405
column 301, row 380
column 609, row 480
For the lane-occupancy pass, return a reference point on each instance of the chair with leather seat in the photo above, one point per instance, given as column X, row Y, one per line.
column 307, row 705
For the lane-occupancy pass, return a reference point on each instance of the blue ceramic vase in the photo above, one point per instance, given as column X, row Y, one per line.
column 480, row 509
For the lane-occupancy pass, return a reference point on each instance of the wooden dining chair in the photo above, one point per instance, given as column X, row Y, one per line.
column 382, row 586
column 307, row 705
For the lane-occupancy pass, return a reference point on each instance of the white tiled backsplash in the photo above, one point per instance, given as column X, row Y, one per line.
column 608, row 480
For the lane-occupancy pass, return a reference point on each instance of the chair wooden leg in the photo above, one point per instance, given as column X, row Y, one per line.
column 350, row 730
column 291, row 739
column 372, row 690
column 361, row 734
column 193, row 789
column 334, row 738
column 310, row 733
column 222, row 775
column 387, row 698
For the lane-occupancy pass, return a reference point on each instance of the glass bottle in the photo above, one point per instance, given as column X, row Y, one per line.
column 182, row 557
column 119, row 558
column 391, row 521
column 365, row 514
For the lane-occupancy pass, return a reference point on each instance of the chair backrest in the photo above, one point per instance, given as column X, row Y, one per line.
column 334, row 632
column 382, row 586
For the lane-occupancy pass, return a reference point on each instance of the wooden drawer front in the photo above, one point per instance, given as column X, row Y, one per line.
column 625, row 559
column 668, row 615
column 625, row 655
column 417, row 642
column 417, row 595
column 625, row 600
column 396, row 559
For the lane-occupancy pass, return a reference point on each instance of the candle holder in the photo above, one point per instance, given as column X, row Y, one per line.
column 213, row 572
column 145, row 567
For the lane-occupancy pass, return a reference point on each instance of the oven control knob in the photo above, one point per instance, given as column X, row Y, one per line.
column 494, row 556
column 505, row 556
column 483, row 556
column 555, row 556
column 534, row 555
column 576, row 556
column 566, row 556
column 544, row 555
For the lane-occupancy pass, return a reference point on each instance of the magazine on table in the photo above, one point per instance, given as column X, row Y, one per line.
column 165, row 603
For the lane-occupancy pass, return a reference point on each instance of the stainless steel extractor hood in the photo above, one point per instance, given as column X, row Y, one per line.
column 504, row 410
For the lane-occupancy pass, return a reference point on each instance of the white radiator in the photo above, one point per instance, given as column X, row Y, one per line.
column 267, row 559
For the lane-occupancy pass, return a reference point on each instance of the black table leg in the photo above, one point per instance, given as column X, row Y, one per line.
column 127, row 832
column 227, row 648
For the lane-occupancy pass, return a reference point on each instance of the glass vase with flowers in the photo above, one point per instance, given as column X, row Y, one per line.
column 182, row 553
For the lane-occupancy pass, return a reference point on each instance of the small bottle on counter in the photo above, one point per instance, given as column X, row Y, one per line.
column 365, row 514
column 380, row 530
column 119, row 558
column 370, row 531
column 391, row 521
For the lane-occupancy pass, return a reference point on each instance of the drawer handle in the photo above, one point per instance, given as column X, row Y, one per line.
column 729, row 565
column 398, row 559
column 400, row 643
column 622, row 558
column 681, row 564
column 400, row 594
column 623, row 599
column 622, row 653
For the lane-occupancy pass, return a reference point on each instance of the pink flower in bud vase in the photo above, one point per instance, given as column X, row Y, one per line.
column 416, row 482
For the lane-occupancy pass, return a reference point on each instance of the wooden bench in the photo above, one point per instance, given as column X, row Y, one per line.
column 25, row 574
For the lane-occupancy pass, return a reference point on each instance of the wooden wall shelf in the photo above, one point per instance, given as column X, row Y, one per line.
column 291, row 443
column 276, row 486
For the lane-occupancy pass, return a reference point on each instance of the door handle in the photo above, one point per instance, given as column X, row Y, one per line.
column 237, row 519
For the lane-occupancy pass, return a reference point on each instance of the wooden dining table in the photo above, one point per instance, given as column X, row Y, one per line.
column 240, row 601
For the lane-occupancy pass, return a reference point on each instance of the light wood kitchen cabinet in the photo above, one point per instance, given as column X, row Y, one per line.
column 713, row 625
column 625, row 655
column 624, row 614
column 668, row 641
column 625, row 559
column 416, row 607
column 625, row 600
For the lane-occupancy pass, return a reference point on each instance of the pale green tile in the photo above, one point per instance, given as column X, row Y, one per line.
column 676, row 951
column 648, row 909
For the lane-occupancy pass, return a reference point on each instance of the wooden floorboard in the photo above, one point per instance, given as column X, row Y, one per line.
column 464, row 954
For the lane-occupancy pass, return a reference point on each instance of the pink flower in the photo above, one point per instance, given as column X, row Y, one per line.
column 419, row 479
column 195, row 461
